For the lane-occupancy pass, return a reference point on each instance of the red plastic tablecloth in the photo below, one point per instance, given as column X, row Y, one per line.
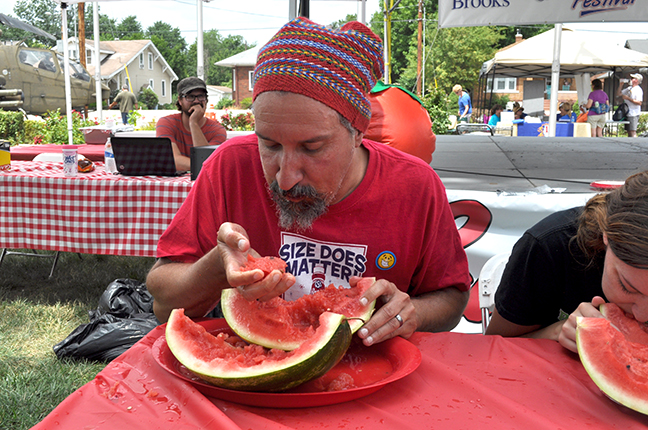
column 465, row 381
column 28, row 152
column 93, row 213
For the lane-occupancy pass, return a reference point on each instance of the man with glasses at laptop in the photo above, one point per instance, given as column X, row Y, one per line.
column 190, row 127
column 308, row 188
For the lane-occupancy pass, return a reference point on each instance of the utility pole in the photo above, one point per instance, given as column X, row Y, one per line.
column 419, row 55
column 82, row 36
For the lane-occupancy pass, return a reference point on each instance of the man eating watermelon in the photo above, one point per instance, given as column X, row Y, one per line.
column 308, row 188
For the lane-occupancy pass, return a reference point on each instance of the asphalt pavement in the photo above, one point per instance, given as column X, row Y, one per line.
column 517, row 164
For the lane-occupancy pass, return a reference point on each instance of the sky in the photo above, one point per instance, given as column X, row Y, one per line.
column 257, row 20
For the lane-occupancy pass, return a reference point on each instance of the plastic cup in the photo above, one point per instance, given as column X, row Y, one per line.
column 70, row 160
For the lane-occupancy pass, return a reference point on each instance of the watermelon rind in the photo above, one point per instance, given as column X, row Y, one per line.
column 273, row 331
column 618, row 367
column 313, row 359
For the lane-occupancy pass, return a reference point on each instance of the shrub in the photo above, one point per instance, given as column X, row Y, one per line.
column 34, row 131
column 56, row 128
column 642, row 127
column 246, row 103
column 224, row 103
column 11, row 126
column 437, row 103
column 148, row 99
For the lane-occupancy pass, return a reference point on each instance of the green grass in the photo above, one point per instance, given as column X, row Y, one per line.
column 37, row 312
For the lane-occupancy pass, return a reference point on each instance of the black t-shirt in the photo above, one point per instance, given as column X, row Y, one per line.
column 547, row 275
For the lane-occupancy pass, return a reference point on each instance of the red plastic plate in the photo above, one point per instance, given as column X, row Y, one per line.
column 375, row 366
column 606, row 185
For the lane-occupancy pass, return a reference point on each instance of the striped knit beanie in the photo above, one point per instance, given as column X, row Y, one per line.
column 337, row 68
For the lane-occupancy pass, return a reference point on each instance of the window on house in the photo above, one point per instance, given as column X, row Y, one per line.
column 251, row 80
column 151, row 84
column 141, row 60
column 88, row 56
column 502, row 85
column 163, row 89
column 150, row 61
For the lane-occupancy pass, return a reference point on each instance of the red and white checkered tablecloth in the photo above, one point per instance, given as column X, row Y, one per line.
column 93, row 213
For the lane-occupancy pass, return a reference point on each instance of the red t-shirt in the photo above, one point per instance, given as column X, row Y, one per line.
column 171, row 126
column 396, row 225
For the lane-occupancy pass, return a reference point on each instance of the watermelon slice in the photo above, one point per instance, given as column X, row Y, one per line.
column 286, row 325
column 266, row 264
column 633, row 330
column 228, row 362
column 617, row 366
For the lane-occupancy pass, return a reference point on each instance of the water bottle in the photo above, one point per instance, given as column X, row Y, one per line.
column 109, row 158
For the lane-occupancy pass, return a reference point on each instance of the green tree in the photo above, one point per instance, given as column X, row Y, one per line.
column 107, row 26
column 454, row 56
column 171, row 45
column 340, row 23
column 404, row 30
column 44, row 14
column 215, row 48
column 527, row 31
column 130, row 29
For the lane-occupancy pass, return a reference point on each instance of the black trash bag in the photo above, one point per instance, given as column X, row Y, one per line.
column 124, row 316
column 123, row 298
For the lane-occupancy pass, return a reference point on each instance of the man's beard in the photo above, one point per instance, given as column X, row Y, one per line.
column 298, row 215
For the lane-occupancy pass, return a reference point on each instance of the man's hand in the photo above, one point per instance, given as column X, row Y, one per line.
column 234, row 247
column 197, row 113
column 567, row 336
column 383, row 324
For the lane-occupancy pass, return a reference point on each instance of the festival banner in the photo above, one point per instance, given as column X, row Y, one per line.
column 467, row 13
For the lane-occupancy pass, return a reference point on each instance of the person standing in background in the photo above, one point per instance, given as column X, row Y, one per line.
column 127, row 101
column 597, row 106
column 633, row 97
column 465, row 106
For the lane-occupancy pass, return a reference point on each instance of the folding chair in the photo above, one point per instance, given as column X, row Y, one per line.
column 489, row 279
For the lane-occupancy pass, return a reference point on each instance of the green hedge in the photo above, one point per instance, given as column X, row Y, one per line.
column 11, row 126
column 52, row 129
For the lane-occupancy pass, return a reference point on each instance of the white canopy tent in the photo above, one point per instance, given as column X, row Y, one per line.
column 579, row 58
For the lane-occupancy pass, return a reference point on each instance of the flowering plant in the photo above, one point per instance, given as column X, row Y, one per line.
column 240, row 122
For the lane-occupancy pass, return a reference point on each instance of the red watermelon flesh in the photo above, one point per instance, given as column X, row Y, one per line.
column 633, row 330
column 617, row 366
column 280, row 324
column 266, row 264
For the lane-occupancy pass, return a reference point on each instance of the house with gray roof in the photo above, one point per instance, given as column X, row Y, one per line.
column 135, row 62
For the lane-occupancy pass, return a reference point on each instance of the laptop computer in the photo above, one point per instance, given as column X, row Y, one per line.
column 144, row 156
column 198, row 156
